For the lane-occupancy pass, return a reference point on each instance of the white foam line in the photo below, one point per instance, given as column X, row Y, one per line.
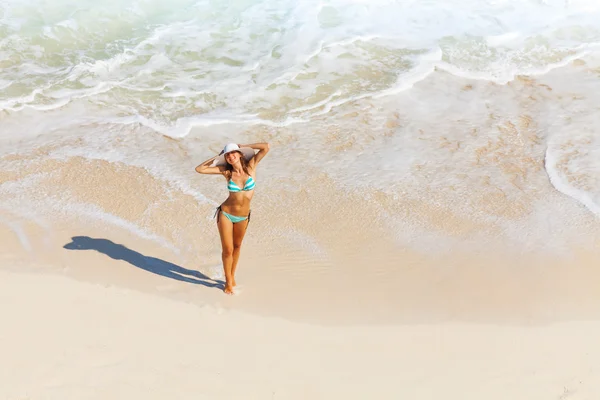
column 159, row 173
column 47, row 107
column 249, row 68
column 96, row 213
column 292, row 73
column 91, row 211
column 322, row 45
column 183, row 126
column 560, row 185
column 482, row 76
column 100, row 88
column 157, row 34
column 315, row 53
column 26, row 214
column 21, row 235
column 405, row 85
column 316, row 105
column 417, row 77
column 353, row 40
column 33, row 69
column 142, row 89
column 9, row 104
column 76, row 71
column 18, row 185
column 413, row 78
column 4, row 84
column 31, row 97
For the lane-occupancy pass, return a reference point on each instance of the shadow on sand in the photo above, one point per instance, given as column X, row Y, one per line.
column 150, row 264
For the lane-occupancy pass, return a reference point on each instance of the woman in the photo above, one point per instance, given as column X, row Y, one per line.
column 233, row 215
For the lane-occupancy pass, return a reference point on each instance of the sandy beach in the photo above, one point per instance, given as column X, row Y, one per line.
column 425, row 225
column 64, row 338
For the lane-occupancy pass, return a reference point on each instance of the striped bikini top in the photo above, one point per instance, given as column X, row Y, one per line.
column 249, row 185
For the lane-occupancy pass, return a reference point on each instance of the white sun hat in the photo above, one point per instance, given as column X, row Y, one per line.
column 229, row 147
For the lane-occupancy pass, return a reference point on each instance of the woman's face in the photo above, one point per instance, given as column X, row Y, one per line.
column 233, row 157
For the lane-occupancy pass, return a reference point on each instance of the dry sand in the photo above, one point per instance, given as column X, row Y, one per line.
column 63, row 339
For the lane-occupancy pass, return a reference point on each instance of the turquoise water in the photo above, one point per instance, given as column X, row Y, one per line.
column 172, row 65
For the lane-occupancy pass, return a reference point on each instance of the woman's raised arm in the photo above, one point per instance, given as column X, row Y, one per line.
column 263, row 149
column 205, row 168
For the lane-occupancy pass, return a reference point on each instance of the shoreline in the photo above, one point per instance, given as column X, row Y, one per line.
column 518, row 290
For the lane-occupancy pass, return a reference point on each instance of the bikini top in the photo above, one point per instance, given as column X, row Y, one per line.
column 233, row 187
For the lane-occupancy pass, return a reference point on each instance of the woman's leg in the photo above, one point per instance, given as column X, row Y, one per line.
column 239, row 230
column 226, row 232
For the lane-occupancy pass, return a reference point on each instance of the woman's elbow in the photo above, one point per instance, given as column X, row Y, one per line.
column 200, row 169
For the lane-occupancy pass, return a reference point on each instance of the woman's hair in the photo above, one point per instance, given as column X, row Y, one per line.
column 229, row 167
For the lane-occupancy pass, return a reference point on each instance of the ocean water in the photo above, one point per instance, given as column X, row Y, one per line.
column 456, row 121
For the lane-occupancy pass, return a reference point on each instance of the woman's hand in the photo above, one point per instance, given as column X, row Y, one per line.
column 256, row 146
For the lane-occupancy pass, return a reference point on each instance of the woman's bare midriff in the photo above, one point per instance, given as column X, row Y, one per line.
column 238, row 203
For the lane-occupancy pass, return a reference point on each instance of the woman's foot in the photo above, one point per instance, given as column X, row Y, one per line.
column 228, row 289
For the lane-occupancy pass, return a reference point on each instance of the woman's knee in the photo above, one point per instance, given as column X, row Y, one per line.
column 237, row 246
column 227, row 251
